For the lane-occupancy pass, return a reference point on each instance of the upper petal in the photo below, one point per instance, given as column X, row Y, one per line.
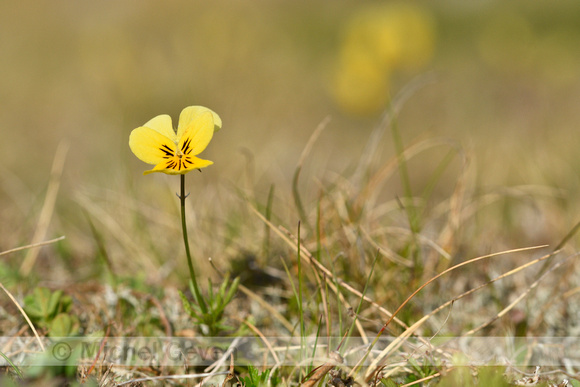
column 193, row 113
column 197, row 134
column 163, row 125
column 151, row 146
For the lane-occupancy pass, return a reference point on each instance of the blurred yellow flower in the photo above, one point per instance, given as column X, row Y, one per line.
column 361, row 87
column 379, row 41
column 172, row 152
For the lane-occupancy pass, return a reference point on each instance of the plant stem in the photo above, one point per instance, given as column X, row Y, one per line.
column 197, row 294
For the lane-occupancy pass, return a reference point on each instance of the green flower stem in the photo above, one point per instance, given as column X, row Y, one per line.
column 198, row 295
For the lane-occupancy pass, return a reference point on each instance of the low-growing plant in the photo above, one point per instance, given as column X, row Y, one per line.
column 257, row 378
column 50, row 310
column 211, row 321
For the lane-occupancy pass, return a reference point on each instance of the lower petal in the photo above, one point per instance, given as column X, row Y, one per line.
column 180, row 167
column 197, row 163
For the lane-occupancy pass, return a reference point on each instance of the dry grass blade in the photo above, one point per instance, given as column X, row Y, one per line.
column 571, row 292
column 262, row 337
column 39, row 244
column 47, row 207
column 422, row 380
column 312, row 140
column 267, row 306
column 24, row 314
column 231, row 375
column 320, row 372
column 562, row 243
column 219, row 362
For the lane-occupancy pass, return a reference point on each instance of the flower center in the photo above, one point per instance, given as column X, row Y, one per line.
column 179, row 159
column 179, row 162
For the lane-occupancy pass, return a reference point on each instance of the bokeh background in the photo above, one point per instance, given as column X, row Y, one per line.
column 501, row 79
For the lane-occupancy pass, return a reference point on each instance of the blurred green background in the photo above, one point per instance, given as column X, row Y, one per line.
column 501, row 78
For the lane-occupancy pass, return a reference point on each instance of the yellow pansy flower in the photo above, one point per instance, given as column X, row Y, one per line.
column 173, row 152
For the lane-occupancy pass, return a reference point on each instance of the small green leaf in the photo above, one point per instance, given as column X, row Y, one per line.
column 53, row 304
column 42, row 304
column 63, row 325
column 389, row 383
column 65, row 303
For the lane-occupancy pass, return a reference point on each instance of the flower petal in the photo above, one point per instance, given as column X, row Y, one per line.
column 197, row 134
column 162, row 124
column 151, row 146
column 193, row 113
column 194, row 163
column 199, row 163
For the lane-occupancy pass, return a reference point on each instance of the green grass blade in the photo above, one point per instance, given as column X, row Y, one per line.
column 100, row 243
column 410, row 209
column 315, row 345
column 436, row 176
column 269, row 204
column 364, row 292
column 287, row 270
column 300, row 309
column 16, row 369
column 297, row 199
